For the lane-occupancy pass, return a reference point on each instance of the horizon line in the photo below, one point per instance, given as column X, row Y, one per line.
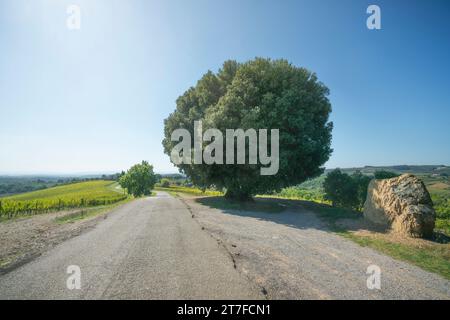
column 99, row 173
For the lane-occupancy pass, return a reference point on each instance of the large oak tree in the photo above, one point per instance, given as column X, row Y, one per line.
column 258, row 94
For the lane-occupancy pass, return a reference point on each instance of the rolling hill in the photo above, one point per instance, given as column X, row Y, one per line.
column 82, row 194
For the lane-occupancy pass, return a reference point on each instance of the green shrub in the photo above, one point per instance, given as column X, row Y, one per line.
column 382, row 174
column 165, row 183
column 301, row 194
column 347, row 191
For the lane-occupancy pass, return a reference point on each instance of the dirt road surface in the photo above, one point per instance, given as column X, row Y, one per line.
column 165, row 247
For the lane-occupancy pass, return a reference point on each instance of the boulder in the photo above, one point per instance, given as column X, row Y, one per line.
column 402, row 204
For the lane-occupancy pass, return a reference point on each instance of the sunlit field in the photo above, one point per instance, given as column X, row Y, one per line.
column 76, row 195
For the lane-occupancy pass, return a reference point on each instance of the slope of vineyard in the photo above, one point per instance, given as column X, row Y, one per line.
column 82, row 194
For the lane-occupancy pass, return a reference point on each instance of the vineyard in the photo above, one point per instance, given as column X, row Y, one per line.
column 76, row 195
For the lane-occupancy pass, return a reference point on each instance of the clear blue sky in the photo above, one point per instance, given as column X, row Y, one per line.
column 94, row 100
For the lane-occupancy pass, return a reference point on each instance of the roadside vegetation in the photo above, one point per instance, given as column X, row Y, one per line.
column 346, row 191
column 76, row 195
column 440, row 194
column 85, row 213
column 189, row 190
column 433, row 257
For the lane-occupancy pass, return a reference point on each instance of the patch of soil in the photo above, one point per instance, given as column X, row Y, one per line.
column 23, row 239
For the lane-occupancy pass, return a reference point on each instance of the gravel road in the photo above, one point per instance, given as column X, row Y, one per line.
column 148, row 249
column 169, row 248
column 294, row 256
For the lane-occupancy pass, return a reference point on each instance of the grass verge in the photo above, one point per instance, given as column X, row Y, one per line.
column 189, row 190
column 433, row 257
column 89, row 212
column 428, row 255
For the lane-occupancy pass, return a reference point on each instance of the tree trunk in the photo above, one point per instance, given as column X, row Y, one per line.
column 238, row 195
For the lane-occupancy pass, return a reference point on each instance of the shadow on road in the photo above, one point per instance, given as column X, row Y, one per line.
column 302, row 214
column 292, row 213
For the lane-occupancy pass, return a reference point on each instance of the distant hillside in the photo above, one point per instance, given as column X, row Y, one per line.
column 419, row 170
column 435, row 177
column 10, row 185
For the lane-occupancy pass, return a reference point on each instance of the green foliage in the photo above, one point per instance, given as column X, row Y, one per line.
column 360, row 184
column 165, row 183
column 315, row 184
column 301, row 194
column 434, row 258
column 191, row 190
column 139, row 180
column 382, row 174
column 10, row 185
column 259, row 94
column 348, row 191
column 14, row 185
column 339, row 189
column 441, row 203
column 77, row 195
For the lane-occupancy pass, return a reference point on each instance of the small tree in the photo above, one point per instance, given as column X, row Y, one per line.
column 339, row 189
column 382, row 174
column 139, row 179
column 165, row 183
column 348, row 191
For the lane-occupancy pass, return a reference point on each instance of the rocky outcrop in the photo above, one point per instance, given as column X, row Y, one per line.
column 401, row 203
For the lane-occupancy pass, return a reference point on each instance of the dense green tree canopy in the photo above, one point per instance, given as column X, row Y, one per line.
column 348, row 191
column 340, row 189
column 139, row 179
column 382, row 174
column 361, row 184
column 259, row 94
